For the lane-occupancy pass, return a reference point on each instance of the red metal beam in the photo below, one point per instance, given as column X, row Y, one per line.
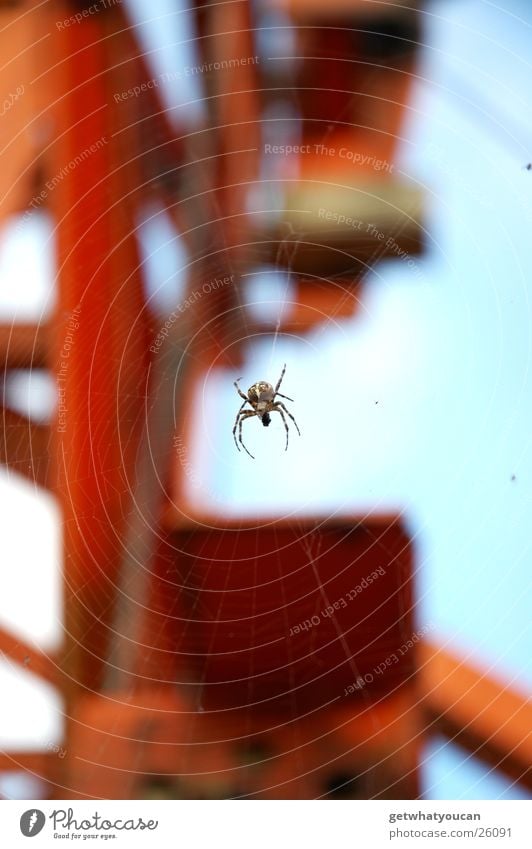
column 98, row 278
column 29, row 658
column 24, row 446
column 37, row 763
column 23, row 345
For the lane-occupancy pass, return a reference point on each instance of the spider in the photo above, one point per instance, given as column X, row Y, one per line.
column 261, row 396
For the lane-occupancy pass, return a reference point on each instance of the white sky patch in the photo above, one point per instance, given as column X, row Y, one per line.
column 21, row 785
column 268, row 295
column 165, row 30
column 31, row 392
column 164, row 259
column 27, row 268
column 32, row 717
column 30, row 573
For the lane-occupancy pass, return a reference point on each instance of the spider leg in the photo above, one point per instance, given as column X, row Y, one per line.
column 236, row 423
column 238, row 389
column 280, row 380
column 284, row 396
column 285, row 426
column 280, row 404
column 242, row 414
column 246, row 414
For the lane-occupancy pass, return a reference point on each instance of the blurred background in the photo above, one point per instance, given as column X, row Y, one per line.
column 192, row 194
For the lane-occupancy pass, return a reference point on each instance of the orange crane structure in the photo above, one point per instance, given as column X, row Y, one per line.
column 180, row 681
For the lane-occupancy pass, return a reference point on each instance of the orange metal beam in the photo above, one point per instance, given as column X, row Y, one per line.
column 482, row 714
column 90, row 207
column 19, row 145
column 23, row 345
column 37, row 763
column 316, row 9
column 24, row 447
column 31, row 659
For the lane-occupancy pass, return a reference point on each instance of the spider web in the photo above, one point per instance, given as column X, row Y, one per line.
column 194, row 595
column 217, row 490
column 189, row 591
